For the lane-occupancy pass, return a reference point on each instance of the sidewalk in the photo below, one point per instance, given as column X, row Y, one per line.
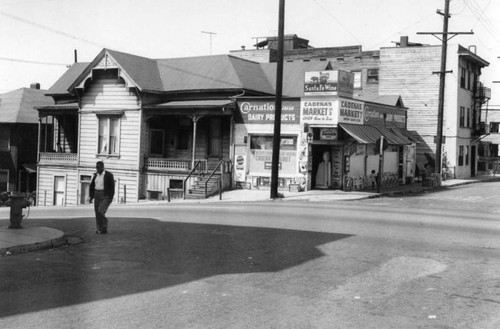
column 35, row 238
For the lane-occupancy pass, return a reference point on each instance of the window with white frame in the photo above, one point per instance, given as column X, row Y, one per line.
column 109, row 135
column 468, row 118
column 357, row 79
column 462, row 116
column 494, row 127
column 372, row 76
column 462, row 77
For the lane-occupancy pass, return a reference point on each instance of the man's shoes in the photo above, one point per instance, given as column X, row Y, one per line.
column 101, row 232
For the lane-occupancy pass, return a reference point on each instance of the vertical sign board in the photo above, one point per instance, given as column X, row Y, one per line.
column 240, row 168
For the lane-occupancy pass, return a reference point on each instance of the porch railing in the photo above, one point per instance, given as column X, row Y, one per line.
column 49, row 157
column 175, row 164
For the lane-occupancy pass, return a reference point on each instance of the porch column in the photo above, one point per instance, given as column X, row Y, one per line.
column 39, row 141
column 195, row 121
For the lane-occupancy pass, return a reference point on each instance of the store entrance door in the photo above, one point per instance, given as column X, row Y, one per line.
column 326, row 167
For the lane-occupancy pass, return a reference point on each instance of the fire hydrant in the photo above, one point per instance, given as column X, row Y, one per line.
column 17, row 203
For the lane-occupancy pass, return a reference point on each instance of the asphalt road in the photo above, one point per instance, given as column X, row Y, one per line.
column 422, row 261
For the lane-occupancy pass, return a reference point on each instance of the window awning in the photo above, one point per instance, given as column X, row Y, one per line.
column 194, row 104
column 57, row 109
column 362, row 134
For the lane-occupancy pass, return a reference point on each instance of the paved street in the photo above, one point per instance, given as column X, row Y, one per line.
column 420, row 261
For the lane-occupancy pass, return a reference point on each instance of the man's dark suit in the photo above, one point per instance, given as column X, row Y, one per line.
column 102, row 200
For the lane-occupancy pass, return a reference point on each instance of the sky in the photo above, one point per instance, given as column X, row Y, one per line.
column 39, row 37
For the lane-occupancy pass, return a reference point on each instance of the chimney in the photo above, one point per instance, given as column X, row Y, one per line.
column 35, row 85
column 472, row 49
column 403, row 41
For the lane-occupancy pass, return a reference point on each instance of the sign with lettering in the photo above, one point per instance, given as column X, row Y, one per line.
column 262, row 112
column 319, row 111
column 340, row 83
column 351, row 111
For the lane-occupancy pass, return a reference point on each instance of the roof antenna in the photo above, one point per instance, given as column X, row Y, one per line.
column 210, row 34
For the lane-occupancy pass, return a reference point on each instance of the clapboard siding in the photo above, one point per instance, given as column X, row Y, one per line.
column 45, row 188
column 110, row 95
column 407, row 72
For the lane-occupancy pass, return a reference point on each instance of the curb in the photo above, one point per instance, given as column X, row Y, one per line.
column 28, row 247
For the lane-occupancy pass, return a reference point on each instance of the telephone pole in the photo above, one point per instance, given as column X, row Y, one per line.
column 442, row 80
column 277, row 107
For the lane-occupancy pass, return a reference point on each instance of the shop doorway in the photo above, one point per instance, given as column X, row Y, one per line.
column 326, row 167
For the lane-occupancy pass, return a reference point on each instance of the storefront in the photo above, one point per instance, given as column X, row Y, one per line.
column 344, row 139
column 253, row 143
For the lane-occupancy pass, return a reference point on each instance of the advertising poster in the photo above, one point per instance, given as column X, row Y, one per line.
column 240, row 168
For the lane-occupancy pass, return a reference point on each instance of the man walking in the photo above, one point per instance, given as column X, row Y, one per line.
column 102, row 190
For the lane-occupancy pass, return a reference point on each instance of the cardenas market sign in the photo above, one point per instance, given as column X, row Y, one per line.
column 351, row 111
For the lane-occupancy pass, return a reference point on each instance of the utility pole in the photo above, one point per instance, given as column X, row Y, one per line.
column 442, row 80
column 211, row 34
column 277, row 107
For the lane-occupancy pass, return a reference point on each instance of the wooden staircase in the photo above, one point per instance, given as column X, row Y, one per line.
column 197, row 190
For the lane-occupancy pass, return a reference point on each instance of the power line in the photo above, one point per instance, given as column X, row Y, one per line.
column 31, row 62
column 43, row 27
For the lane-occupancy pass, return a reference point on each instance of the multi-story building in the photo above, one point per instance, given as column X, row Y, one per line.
column 185, row 125
column 18, row 137
column 408, row 70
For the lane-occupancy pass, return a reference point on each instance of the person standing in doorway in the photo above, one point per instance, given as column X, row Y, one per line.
column 102, row 191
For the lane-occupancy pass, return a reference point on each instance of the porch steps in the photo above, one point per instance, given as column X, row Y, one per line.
column 197, row 190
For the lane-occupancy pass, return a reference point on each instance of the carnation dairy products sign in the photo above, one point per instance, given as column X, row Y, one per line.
column 262, row 111
column 351, row 111
column 319, row 110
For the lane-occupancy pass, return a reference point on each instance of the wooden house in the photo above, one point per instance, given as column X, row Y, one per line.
column 157, row 124
column 18, row 137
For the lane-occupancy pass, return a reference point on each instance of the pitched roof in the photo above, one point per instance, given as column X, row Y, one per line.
column 18, row 106
column 293, row 75
column 62, row 85
column 392, row 100
column 212, row 72
column 216, row 72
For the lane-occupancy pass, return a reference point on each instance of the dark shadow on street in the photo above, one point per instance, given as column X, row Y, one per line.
column 142, row 254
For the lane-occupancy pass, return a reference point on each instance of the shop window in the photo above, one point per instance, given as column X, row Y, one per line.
column 259, row 142
column 372, row 76
column 156, row 142
column 108, row 135
column 460, row 155
column 462, row 116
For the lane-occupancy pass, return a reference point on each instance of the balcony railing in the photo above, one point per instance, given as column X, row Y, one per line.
column 58, row 158
column 159, row 164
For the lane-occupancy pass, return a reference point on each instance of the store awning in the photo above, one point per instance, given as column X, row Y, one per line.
column 362, row 134
column 406, row 134
column 393, row 138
